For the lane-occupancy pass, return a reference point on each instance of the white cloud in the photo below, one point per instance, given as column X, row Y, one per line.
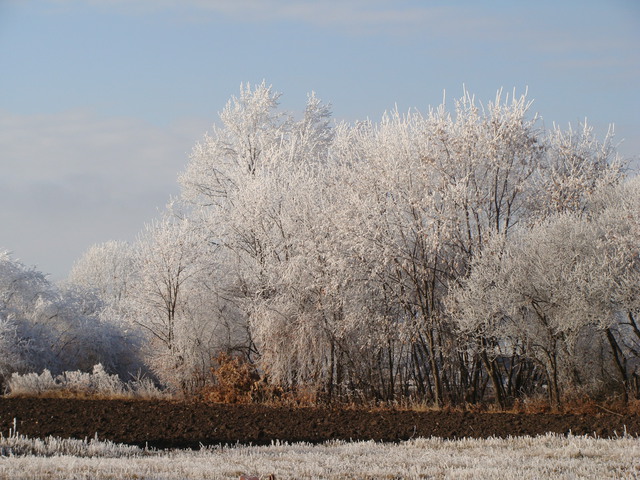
column 77, row 142
column 73, row 179
column 356, row 16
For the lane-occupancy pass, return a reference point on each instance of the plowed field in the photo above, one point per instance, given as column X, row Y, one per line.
column 164, row 424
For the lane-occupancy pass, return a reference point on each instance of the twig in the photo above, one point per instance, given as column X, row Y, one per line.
column 609, row 411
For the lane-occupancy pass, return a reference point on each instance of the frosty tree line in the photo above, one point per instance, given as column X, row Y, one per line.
column 460, row 256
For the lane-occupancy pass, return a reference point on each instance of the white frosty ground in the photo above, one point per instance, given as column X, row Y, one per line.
column 549, row 456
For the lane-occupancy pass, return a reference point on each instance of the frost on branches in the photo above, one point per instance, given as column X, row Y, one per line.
column 43, row 326
column 461, row 255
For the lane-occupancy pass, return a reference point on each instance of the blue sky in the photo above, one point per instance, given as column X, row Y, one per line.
column 102, row 100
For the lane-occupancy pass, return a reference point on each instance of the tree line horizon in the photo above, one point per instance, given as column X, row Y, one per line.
column 460, row 256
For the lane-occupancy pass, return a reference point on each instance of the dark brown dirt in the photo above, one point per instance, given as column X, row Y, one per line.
column 163, row 424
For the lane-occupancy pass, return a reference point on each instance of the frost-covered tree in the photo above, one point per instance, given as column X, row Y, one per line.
column 107, row 270
column 24, row 339
column 423, row 192
column 340, row 245
column 251, row 127
column 612, row 291
column 548, row 287
column 13, row 358
column 44, row 326
column 518, row 294
column 176, row 304
column 297, row 316
column 250, row 183
column 575, row 166
column 107, row 274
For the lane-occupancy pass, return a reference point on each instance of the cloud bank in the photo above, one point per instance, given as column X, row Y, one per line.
column 73, row 179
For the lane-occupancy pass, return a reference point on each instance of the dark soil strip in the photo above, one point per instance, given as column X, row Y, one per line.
column 164, row 424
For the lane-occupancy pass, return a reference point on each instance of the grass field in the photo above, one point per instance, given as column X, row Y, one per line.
column 549, row 456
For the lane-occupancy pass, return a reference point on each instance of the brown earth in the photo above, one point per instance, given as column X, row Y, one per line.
column 164, row 424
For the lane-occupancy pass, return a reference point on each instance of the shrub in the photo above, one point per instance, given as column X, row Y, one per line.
column 32, row 383
column 236, row 380
column 76, row 383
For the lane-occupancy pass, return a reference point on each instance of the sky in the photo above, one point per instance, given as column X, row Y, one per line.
column 101, row 101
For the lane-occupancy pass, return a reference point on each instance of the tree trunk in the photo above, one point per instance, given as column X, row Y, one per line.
column 495, row 380
column 619, row 362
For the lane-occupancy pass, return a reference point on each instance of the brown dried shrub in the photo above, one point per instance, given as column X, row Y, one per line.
column 235, row 380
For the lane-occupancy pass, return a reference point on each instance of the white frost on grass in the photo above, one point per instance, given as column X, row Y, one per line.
column 97, row 383
column 549, row 456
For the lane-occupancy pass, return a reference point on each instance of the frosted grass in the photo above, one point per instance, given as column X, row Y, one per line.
column 98, row 383
column 550, row 456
